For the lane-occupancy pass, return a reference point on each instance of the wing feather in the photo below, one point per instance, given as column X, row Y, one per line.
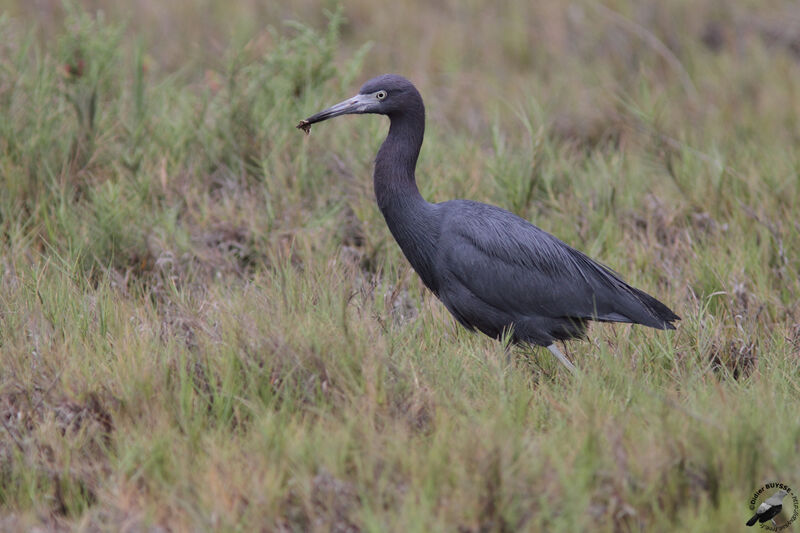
column 510, row 264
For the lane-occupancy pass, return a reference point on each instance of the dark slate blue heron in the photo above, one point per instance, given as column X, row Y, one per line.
column 494, row 271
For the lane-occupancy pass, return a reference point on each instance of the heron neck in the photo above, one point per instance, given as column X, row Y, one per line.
column 394, row 177
column 410, row 218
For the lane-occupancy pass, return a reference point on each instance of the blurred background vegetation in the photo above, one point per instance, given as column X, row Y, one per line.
column 205, row 324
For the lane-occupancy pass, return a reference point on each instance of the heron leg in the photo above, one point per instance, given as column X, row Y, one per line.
column 560, row 356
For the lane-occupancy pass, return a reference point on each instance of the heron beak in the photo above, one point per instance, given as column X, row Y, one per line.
column 357, row 104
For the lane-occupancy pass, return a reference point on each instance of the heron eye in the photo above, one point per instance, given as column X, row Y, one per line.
column 380, row 95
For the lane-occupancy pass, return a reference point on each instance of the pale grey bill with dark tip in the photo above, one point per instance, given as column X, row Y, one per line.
column 360, row 103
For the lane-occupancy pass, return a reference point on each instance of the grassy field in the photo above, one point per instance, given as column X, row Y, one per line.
column 206, row 325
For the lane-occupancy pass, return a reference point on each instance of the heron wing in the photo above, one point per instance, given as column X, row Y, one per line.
column 512, row 265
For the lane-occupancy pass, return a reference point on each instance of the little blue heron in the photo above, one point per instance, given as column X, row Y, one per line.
column 493, row 270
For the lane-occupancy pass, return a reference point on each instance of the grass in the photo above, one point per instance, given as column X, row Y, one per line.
column 205, row 323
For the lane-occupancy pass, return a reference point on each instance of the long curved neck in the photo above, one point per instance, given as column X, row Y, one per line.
column 410, row 218
column 394, row 178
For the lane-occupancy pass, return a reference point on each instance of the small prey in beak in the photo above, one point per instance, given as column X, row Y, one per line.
column 360, row 103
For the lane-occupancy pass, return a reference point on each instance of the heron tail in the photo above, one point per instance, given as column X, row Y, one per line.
column 664, row 316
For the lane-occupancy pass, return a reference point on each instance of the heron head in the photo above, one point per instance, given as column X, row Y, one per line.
column 388, row 94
